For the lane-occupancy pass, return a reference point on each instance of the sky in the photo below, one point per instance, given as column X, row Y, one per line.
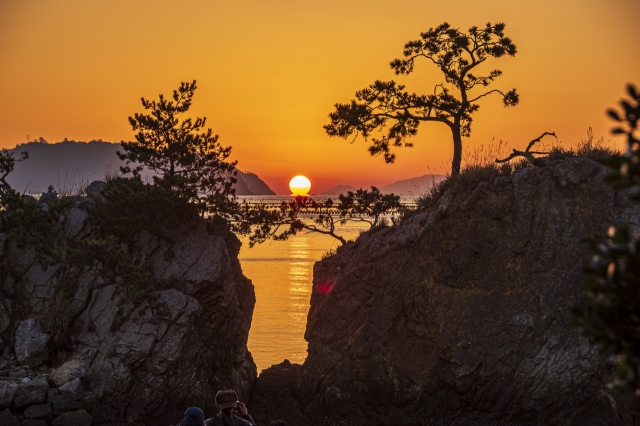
column 269, row 73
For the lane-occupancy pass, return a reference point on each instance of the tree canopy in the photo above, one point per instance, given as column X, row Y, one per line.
column 388, row 115
column 280, row 223
column 7, row 164
column 185, row 157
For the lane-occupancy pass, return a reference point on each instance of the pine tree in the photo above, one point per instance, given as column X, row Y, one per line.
column 184, row 157
column 387, row 108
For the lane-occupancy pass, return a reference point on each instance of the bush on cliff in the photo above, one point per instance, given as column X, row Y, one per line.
column 481, row 166
column 609, row 312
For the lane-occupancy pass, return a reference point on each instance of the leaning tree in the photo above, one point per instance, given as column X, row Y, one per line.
column 388, row 115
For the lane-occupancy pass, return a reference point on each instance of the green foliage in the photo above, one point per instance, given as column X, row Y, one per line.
column 385, row 107
column 111, row 262
column 368, row 206
column 22, row 219
column 7, row 164
column 131, row 206
column 279, row 224
column 609, row 312
column 188, row 159
column 465, row 182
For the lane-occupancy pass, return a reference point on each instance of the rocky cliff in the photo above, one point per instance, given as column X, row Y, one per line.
column 123, row 361
column 461, row 311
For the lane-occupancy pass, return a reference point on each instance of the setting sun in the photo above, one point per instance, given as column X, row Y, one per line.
column 300, row 185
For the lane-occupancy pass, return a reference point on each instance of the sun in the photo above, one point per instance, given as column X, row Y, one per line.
column 300, row 185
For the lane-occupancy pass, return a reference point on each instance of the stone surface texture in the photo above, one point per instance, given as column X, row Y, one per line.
column 31, row 392
column 33, row 422
column 461, row 311
column 62, row 403
column 31, row 343
column 73, row 369
column 73, row 389
column 139, row 362
column 7, row 418
column 41, row 411
column 8, row 391
column 73, row 418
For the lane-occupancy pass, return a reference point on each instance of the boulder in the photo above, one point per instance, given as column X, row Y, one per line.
column 94, row 188
column 8, row 419
column 8, row 391
column 75, row 221
column 32, row 392
column 20, row 374
column 74, row 369
column 73, row 388
column 4, row 317
column 48, row 198
column 33, row 422
column 31, row 343
column 39, row 411
column 62, row 403
column 3, row 240
column 73, row 418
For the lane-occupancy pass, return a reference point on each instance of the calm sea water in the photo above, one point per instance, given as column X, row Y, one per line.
column 282, row 272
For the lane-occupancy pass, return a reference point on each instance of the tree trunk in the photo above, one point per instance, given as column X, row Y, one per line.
column 457, row 148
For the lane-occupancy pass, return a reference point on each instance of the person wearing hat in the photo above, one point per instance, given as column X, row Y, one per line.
column 193, row 417
column 232, row 411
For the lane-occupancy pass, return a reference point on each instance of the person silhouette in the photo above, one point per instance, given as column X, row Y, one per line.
column 232, row 411
column 193, row 417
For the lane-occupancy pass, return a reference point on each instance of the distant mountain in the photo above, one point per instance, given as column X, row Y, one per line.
column 340, row 189
column 69, row 165
column 412, row 187
column 255, row 185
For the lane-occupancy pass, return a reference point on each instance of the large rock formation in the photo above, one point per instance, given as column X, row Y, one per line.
column 124, row 361
column 461, row 311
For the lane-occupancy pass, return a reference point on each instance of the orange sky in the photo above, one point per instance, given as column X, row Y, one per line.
column 270, row 71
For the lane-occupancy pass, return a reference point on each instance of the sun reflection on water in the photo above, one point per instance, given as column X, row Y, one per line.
column 282, row 274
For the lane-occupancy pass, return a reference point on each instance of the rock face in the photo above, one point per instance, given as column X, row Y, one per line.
column 74, row 369
column 462, row 311
column 31, row 343
column 125, row 361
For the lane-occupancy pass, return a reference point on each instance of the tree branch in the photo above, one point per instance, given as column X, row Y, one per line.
column 527, row 153
column 488, row 93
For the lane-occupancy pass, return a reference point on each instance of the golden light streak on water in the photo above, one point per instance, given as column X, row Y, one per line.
column 282, row 274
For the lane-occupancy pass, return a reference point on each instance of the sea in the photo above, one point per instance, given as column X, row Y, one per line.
column 282, row 275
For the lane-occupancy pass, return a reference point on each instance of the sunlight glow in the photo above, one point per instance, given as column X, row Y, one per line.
column 300, row 185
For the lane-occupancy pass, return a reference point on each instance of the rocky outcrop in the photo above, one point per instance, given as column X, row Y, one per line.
column 461, row 311
column 31, row 343
column 124, row 360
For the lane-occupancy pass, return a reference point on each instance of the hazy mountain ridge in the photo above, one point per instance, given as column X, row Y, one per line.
column 412, row 187
column 340, row 189
column 68, row 165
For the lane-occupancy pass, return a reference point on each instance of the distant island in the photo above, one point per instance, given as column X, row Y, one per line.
column 68, row 165
column 412, row 187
